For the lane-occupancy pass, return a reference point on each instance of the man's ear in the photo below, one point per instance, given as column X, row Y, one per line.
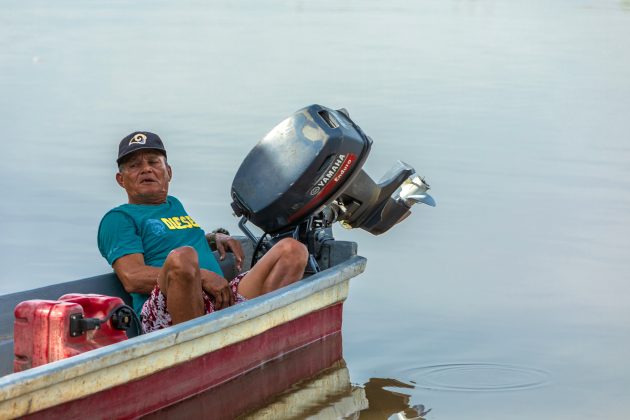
column 170, row 171
column 119, row 179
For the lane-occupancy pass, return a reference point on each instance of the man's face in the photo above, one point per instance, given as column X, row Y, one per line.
column 145, row 176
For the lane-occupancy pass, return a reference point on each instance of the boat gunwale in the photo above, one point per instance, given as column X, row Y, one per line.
column 31, row 380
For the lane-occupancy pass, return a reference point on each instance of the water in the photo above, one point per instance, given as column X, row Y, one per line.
column 516, row 112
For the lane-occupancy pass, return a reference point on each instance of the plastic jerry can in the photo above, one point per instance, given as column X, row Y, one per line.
column 49, row 330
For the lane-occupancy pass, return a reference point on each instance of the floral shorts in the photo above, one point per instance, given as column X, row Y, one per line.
column 155, row 316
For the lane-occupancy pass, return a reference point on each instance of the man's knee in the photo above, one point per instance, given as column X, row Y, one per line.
column 293, row 250
column 182, row 264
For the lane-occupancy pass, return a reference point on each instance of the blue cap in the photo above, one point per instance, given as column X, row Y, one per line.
column 139, row 140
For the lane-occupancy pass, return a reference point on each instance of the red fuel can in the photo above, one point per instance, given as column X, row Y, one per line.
column 42, row 331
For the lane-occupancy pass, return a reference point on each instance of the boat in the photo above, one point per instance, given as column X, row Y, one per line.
column 152, row 371
column 300, row 179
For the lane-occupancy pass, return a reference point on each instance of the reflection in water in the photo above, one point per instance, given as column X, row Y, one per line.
column 330, row 395
column 383, row 403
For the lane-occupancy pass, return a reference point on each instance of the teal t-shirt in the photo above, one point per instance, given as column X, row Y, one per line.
column 152, row 230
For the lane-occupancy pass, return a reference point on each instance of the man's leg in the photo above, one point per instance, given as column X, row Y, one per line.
column 282, row 265
column 180, row 282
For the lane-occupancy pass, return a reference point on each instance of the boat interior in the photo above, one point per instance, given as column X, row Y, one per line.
column 332, row 253
column 105, row 284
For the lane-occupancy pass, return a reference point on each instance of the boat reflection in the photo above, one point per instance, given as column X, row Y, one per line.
column 331, row 396
column 388, row 404
column 311, row 382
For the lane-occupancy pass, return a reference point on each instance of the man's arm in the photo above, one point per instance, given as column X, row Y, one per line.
column 135, row 275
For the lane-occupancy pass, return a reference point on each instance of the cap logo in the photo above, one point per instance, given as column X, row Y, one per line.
column 138, row 139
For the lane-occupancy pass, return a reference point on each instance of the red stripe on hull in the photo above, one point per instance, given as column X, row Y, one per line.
column 182, row 381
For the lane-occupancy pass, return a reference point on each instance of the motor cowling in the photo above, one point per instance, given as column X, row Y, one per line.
column 49, row 330
column 300, row 166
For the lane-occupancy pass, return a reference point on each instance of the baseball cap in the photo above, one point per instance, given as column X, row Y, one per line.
column 139, row 140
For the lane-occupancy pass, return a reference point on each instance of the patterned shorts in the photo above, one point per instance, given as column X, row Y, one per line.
column 155, row 316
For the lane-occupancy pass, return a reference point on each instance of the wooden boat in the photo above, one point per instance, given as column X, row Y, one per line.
column 147, row 373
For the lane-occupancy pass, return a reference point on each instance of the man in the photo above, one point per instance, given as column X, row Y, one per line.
column 161, row 255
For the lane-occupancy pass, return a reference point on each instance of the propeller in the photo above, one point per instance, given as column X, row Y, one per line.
column 414, row 190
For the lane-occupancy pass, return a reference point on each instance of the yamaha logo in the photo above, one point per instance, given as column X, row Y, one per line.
column 329, row 174
column 339, row 168
column 138, row 139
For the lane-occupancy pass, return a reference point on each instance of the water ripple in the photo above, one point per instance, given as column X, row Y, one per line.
column 478, row 377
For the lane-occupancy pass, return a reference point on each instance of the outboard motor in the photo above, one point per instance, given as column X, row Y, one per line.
column 305, row 175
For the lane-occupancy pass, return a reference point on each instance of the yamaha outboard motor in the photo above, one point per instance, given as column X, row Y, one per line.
column 305, row 175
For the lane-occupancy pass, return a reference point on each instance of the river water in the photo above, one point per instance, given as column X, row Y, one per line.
column 509, row 300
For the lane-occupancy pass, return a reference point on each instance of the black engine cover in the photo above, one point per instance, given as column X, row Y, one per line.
column 300, row 166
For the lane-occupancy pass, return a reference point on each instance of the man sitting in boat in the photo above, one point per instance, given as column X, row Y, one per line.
column 164, row 259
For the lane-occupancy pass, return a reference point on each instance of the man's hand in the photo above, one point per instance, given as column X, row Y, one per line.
column 225, row 243
column 218, row 287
